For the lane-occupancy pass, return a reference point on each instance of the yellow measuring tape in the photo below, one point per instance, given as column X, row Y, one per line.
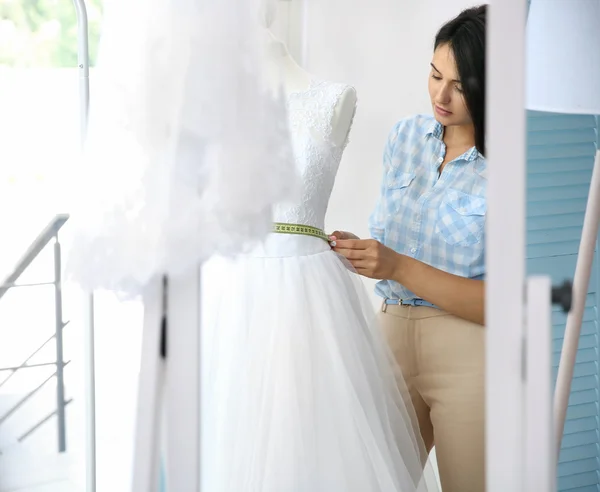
column 304, row 230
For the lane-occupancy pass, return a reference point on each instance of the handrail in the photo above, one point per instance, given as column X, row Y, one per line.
column 34, row 249
column 26, row 434
column 24, row 364
column 23, row 400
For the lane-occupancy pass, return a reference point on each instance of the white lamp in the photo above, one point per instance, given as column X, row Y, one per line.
column 563, row 76
column 563, row 56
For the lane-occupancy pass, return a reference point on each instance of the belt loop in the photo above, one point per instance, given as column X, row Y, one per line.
column 384, row 307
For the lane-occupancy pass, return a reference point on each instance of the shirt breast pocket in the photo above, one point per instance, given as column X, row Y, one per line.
column 397, row 187
column 461, row 218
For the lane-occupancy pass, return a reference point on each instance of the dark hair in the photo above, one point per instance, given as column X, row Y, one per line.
column 465, row 35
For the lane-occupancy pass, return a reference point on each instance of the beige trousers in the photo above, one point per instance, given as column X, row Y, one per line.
column 442, row 361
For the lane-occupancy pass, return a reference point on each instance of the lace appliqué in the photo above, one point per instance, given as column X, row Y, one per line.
column 315, row 108
column 311, row 113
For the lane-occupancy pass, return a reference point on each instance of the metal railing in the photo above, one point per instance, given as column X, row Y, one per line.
column 49, row 233
column 83, row 63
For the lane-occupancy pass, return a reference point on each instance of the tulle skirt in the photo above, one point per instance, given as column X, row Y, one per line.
column 299, row 391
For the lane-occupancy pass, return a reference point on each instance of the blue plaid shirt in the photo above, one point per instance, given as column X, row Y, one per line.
column 439, row 220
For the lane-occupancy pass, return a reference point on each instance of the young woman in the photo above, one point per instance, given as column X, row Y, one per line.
column 428, row 250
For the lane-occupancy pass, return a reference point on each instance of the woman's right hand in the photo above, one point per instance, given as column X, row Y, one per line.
column 341, row 235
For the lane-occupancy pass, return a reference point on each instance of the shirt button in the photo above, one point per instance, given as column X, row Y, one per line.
column 413, row 250
column 440, row 160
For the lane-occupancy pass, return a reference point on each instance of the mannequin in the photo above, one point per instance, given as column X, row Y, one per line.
column 283, row 71
column 297, row 391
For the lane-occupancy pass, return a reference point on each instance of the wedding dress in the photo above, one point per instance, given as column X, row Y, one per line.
column 299, row 392
column 179, row 106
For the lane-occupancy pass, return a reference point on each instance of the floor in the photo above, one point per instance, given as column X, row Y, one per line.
column 33, row 466
column 65, row 483
column 26, row 472
column 55, row 486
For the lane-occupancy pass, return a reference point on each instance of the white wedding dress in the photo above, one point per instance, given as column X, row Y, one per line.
column 299, row 392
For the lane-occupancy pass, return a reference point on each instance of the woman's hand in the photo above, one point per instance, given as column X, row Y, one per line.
column 370, row 258
column 463, row 297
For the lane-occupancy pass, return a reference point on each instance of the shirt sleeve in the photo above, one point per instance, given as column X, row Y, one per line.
column 379, row 215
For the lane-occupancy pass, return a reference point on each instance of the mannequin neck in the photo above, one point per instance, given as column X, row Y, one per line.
column 282, row 69
column 275, row 48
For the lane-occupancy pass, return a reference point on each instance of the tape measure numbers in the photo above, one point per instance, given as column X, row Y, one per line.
column 304, row 230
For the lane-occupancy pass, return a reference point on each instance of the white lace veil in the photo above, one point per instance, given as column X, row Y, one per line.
column 186, row 150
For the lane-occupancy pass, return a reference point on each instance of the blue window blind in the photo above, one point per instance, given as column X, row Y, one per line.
column 560, row 158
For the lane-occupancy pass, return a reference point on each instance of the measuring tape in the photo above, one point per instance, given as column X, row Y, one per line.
column 282, row 228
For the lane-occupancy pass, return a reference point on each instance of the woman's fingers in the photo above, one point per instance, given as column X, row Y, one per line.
column 353, row 244
column 336, row 235
column 351, row 254
column 342, row 235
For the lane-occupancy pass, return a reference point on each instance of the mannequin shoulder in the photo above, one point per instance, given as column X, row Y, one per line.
column 343, row 115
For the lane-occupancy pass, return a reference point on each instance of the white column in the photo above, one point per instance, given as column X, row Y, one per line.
column 505, row 245
column 147, row 452
column 182, row 390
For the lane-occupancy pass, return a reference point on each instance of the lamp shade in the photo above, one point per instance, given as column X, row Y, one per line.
column 563, row 56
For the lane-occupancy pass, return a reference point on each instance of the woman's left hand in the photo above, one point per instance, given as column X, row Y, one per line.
column 370, row 258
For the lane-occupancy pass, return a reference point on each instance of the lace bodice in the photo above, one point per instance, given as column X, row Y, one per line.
column 317, row 157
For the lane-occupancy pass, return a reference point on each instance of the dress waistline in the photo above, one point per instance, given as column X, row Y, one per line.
column 304, row 230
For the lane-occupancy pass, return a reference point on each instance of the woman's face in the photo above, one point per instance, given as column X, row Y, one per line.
column 445, row 89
